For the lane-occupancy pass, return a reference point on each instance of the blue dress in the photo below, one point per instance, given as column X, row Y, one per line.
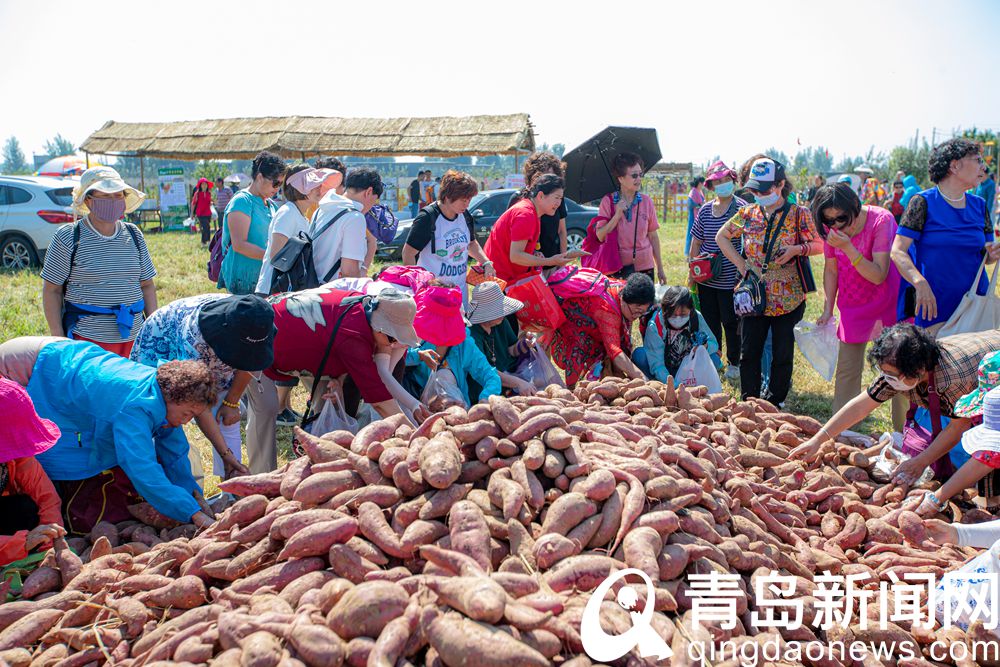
column 948, row 249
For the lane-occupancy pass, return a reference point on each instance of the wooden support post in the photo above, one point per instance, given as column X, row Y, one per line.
column 142, row 174
column 86, row 157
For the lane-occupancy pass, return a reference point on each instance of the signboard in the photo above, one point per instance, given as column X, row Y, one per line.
column 173, row 198
column 515, row 181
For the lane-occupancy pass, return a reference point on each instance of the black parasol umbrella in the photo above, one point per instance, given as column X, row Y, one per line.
column 588, row 166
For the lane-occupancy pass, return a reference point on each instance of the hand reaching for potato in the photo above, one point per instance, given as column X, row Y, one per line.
column 39, row 535
column 940, row 532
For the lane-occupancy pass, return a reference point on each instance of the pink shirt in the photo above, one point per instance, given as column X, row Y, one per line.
column 629, row 236
column 865, row 308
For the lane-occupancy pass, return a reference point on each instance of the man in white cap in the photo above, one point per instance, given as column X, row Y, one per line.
column 328, row 334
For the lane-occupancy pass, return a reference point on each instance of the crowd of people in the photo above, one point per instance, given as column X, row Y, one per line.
column 101, row 401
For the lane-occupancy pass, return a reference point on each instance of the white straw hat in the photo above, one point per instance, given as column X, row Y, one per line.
column 104, row 179
column 488, row 302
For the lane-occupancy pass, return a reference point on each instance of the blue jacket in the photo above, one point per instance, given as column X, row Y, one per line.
column 655, row 343
column 463, row 360
column 111, row 413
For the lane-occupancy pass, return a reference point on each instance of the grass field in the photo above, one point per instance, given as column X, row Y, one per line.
column 180, row 262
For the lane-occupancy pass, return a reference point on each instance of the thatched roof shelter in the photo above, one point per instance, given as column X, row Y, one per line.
column 303, row 136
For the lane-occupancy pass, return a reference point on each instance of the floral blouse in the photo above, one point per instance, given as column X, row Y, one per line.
column 782, row 283
column 172, row 334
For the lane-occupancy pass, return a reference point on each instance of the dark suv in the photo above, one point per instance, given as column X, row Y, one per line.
column 486, row 207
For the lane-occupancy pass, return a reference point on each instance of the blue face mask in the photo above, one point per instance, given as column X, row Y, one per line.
column 768, row 200
column 725, row 190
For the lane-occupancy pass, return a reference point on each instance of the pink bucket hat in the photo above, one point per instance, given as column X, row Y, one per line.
column 22, row 432
column 439, row 318
column 307, row 180
column 719, row 171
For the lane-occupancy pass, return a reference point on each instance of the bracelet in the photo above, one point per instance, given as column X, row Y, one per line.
column 230, row 405
column 932, row 497
column 857, row 260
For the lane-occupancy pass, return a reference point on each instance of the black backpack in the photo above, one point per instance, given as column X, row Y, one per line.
column 435, row 211
column 294, row 269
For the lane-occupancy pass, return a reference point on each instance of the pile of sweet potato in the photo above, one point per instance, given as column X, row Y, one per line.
column 477, row 538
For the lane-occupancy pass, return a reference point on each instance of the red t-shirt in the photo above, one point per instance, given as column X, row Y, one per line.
column 305, row 321
column 202, row 203
column 518, row 223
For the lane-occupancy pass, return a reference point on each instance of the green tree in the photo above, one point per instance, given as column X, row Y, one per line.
column 558, row 150
column 210, row 170
column 820, row 161
column 911, row 160
column 59, row 145
column 13, row 157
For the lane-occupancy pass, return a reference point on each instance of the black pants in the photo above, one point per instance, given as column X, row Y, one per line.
column 717, row 309
column 783, row 349
column 205, row 222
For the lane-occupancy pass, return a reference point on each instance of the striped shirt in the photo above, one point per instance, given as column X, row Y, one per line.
column 705, row 227
column 106, row 272
column 222, row 198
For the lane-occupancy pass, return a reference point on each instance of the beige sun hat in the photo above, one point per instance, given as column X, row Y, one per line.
column 104, row 179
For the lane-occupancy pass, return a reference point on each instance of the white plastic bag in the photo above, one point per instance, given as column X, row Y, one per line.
column 697, row 369
column 819, row 345
column 333, row 417
column 441, row 391
column 970, row 593
column 537, row 368
column 890, row 457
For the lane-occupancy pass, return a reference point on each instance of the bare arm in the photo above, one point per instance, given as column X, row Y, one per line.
column 387, row 408
column 372, row 247
column 210, row 428
column 695, row 248
column 52, row 304
column 900, row 255
column 520, row 257
column 624, row 365
column 148, row 296
column 476, row 252
column 409, row 255
column 350, row 268
column 278, row 241
column 725, row 241
column 609, row 226
column 562, row 235
column 239, row 230
column 853, row 412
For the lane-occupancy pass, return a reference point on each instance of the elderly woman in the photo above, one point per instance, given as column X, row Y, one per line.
column 715, row 296
column 303, row 185
column 247, row 223
column 598, row 329
column 98, row 277
column 552, row 237
column 859, row 279
column 448, row 343
column 443, row 235
column 30, row 519
column 201, row 208
column 494, row 336
column 634, row 216
column 774, row 233
column 513, row 240
column 931, row 374
column 121, row 438
column 672, row 333
column 949, row 233
column 233, row 336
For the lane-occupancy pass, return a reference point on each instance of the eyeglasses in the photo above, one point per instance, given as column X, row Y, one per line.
column 978, row 158
column 277, row 182
column 762, row 192
column 635, row 176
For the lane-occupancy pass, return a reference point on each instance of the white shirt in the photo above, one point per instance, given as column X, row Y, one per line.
column 346, row 239
column 288, row 221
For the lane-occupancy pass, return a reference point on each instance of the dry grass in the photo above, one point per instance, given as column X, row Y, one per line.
column 180, row 261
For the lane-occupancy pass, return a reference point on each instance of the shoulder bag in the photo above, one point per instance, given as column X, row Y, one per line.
column 750, row 295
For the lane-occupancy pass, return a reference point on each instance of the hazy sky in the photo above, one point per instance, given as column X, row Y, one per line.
column 715, row 78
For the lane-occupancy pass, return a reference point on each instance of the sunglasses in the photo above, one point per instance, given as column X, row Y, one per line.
column 839, row 222
column 277, row 182
column 635, row 176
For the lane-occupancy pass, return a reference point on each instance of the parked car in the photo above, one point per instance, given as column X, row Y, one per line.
column 32, row 209
column 486, row 207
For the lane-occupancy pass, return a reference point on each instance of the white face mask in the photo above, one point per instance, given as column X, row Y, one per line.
column 679, row 321
column 725, row 189
column 898, row 384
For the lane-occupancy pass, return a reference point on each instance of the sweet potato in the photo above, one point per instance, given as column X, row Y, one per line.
column 284, row 527
column 42, row 580
column 504, row 414
column 536, row 426
column 912, row 527
column 279, row 575
column 67, row 562
column 462, row 642
column 317, row 539
column 469, row 532
column 372, row 436
column 316, row 645
column 440, row 461
column 479, row 598
column 321, row 487
column 184, row 593
column 29, row 629
column 365, row 609
column 439, row 503
column 566, row 512
column 260, row 649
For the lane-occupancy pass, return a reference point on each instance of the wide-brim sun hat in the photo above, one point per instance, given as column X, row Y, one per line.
column 307, row 180
column 107, row 180
column 392, row 313
column 197, row 186
column 986, row 436
column 240, row 330
column 488, row 302
column 22, row 432
column 439, row 319
column 988, row 376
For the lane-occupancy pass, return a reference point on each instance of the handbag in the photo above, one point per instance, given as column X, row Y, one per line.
column 916, row 438
column 805, row 271
column 750, row 295
column 604, row 256
column 705, row 266
column 975, row 313
column 541, row 309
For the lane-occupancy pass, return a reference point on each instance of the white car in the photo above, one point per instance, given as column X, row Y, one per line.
column 32, row 209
